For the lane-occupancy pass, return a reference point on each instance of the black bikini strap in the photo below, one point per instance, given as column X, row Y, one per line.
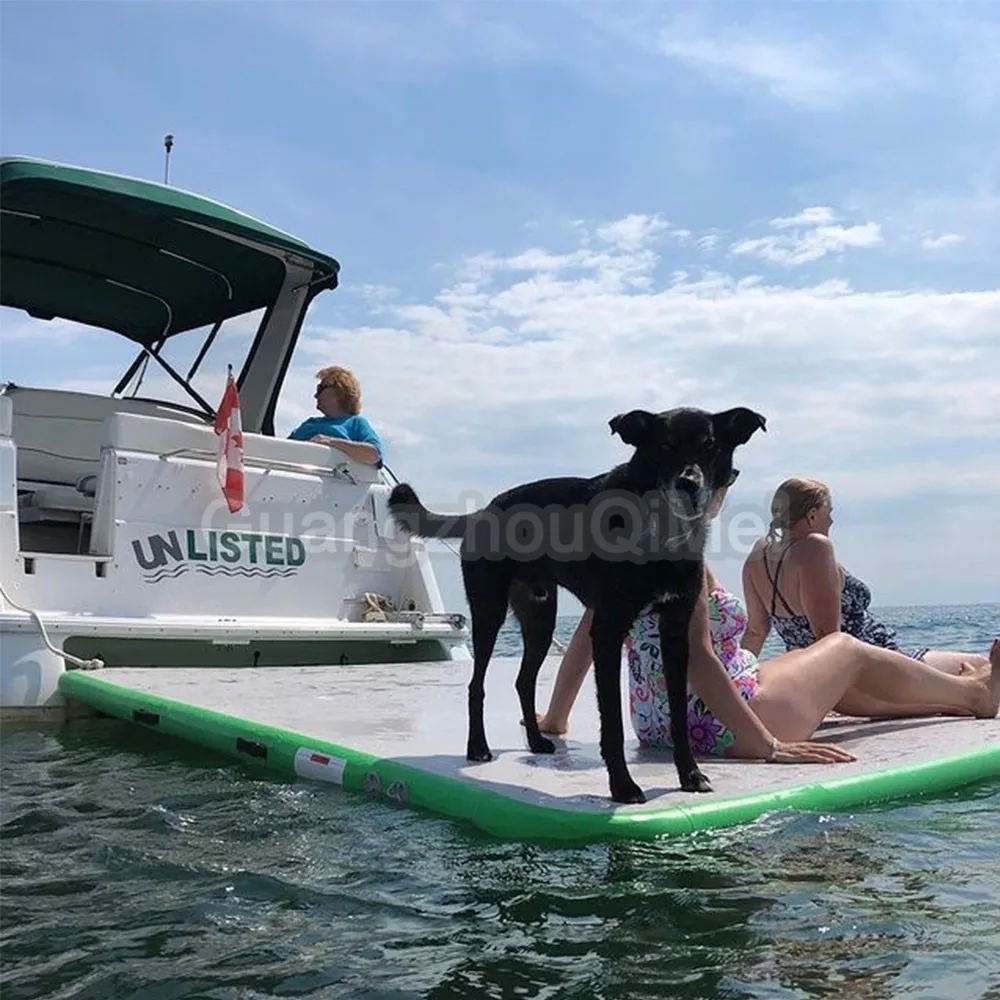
column 775, row 593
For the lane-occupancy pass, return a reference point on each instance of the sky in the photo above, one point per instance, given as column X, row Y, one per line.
column 550, row 213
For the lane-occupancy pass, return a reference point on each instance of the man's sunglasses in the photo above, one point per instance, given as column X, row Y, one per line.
column 733, row 476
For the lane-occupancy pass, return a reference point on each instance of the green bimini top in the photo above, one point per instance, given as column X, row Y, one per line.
column 139, row 258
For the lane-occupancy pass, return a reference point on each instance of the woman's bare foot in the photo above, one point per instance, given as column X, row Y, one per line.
column 554, row 727
column 977, row 667
column 992, row 683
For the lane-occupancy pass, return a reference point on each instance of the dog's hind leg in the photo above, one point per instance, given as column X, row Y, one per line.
column 535, row 608
column 607, row 633
column 674, row 650
column 486, row 591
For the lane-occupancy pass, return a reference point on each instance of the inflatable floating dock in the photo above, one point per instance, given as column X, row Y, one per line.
column 397, row 731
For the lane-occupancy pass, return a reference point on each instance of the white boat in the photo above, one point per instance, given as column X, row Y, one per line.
column 117, row 547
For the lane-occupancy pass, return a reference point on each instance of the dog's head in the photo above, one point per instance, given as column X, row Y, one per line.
column 686, row 452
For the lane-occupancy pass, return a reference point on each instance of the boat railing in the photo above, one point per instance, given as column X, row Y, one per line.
column 341, row 471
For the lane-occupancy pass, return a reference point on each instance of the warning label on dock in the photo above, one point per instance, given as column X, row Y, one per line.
column 319, row 766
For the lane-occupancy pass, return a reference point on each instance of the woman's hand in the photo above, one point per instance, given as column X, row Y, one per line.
column 357, row 451
column 325, row 439
column 808, row 753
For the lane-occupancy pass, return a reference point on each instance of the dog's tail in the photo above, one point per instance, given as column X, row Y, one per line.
column 415, row 519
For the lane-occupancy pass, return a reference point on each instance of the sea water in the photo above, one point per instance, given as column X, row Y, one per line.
column 135, row 868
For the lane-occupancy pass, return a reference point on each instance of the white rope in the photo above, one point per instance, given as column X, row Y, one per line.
column 559, row 647
column 92, row 664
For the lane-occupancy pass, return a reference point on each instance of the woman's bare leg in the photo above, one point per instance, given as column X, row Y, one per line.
column 573, row 667
column 797, row 689
column 959, row 664
column 892, row 678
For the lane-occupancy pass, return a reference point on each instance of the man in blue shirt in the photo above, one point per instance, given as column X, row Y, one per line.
column 338, row 398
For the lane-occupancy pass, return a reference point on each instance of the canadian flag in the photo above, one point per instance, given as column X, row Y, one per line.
column 229, row 428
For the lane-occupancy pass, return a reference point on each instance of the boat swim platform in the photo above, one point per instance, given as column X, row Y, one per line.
column 398, row 732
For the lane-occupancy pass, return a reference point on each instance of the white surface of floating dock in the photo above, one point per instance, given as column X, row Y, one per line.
column 399, row 730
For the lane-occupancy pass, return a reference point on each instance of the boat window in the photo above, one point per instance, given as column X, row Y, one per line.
column 60, row 354
column 200, row 358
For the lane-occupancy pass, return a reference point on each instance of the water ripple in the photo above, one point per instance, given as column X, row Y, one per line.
column 134, row 868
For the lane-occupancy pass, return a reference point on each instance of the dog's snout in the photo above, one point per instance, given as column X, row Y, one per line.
column 691, row 479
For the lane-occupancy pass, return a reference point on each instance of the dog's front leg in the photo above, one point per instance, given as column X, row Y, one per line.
column 607, row 636
column 674, row 650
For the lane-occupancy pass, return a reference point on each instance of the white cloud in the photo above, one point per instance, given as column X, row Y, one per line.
column 901, row 572
column 632, row 232
column 375, row 293
column 799, row 73
column 810, row 246
column 941, row 242
column 18, row 328
column 807, row 236
column 807, row 71
column 512, row 372
column 886, row 395
column 525, row 368
column 817, row 215
column 932, row 476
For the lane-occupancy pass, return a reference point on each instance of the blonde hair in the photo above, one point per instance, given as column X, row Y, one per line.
column 792, row 501
column 345, row 385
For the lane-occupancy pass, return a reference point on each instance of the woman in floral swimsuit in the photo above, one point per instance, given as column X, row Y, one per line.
column 648, row 703
column 742, row 707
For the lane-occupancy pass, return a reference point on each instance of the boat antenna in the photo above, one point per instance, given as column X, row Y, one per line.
column 168, row 144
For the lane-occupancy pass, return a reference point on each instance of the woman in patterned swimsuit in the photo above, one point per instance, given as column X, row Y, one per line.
column 792, row 581
column 742, row 707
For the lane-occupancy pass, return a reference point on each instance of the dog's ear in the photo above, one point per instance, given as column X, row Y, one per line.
column 632, row 427
column 737, row 426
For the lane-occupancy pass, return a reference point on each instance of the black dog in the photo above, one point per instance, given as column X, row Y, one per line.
column 625, row 542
